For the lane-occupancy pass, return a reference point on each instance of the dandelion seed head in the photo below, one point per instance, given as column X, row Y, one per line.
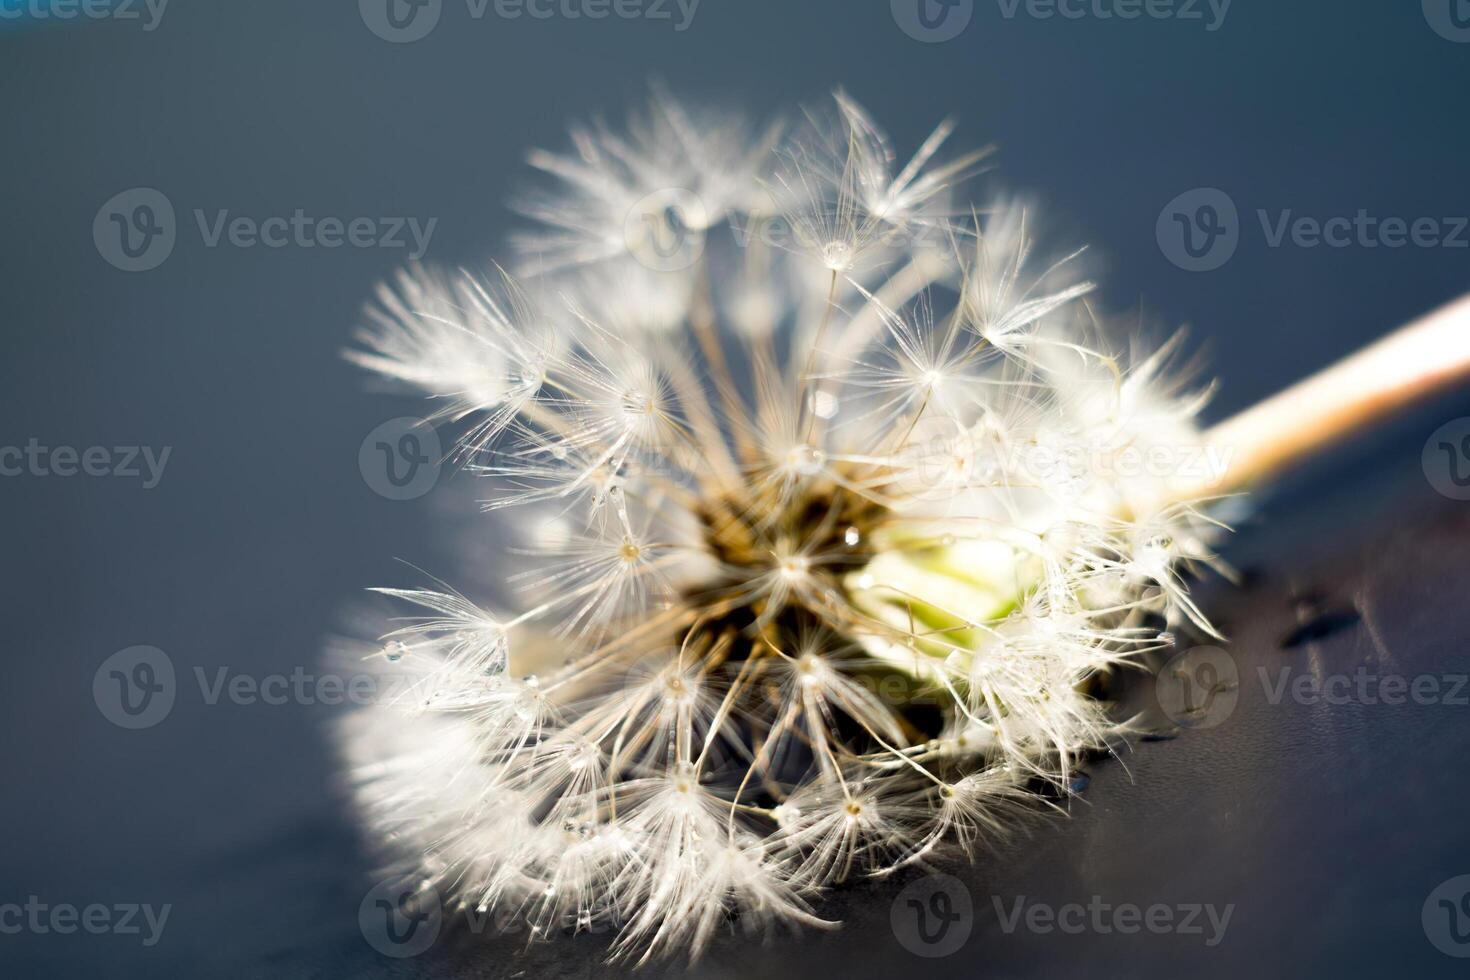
column 829, row 537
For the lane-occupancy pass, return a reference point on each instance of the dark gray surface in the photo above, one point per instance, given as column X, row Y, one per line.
column 1327, row 829
column 1324, row 828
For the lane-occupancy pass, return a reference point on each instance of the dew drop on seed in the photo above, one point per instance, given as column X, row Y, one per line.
column 786, row 815
column 807, row 460
column 851, row 537
column 395, row 651
column 1079, row 782
column 824, row 404
column 837, row 255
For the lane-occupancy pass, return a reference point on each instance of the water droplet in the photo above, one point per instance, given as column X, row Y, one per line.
column 395, row 651
column 1079, row 782
column 786, row 815
column 837, row 255
column 851, row 537
column 824, row 404
column 807, row 460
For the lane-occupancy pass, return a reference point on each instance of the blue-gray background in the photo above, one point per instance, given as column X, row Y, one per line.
column 263, row 526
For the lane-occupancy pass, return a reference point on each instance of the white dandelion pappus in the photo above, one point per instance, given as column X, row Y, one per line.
column 783, row 525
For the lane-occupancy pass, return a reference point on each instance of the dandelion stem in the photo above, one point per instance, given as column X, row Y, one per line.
column 1413, row 362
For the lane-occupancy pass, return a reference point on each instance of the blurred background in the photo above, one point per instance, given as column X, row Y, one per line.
column 133, row 129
